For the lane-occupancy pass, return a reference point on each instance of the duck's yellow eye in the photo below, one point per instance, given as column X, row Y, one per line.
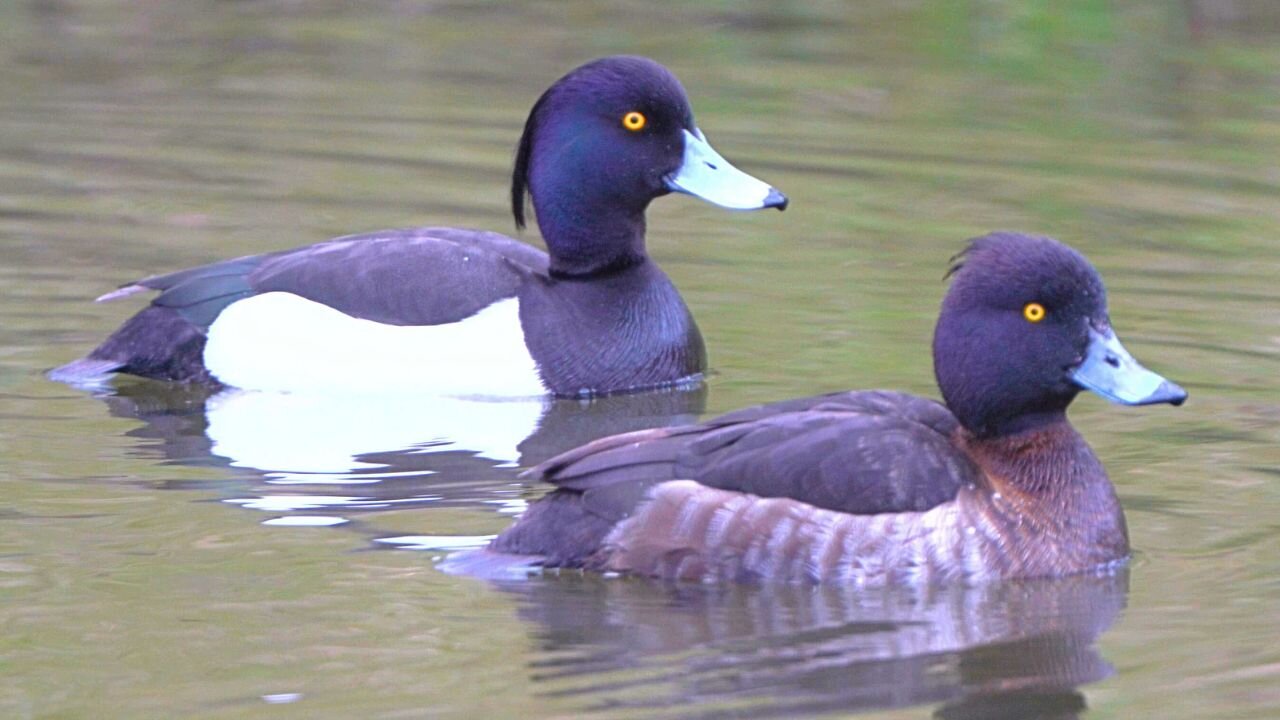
column 634, row 121
column 1033, row 312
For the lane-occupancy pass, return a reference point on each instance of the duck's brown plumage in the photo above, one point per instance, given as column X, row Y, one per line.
column 875, row 488
column 897, row 445
column 1013, row 520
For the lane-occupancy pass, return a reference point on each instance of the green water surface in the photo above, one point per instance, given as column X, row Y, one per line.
column 142, row 137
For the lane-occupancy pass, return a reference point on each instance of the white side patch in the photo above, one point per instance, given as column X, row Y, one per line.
column 280, row 341
column 327, row 432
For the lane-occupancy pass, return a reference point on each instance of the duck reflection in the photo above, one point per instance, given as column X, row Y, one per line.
column 1008, row 650
column 362, row 452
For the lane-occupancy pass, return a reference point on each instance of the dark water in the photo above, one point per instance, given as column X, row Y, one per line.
column 155, row 558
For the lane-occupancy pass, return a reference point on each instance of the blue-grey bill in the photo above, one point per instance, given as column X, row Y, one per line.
column 704, row 173
column 1109, row 370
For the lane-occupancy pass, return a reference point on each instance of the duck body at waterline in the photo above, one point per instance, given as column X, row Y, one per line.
column 467, row 312
column 877, row 487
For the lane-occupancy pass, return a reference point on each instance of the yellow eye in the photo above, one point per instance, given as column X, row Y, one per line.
column 1033, row 312
column 634, row 121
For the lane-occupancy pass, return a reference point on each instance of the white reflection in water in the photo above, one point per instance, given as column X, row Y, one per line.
column 306, row 521
column 287, row 503
column 513, row 506
column 340, row 478
column 382, row 438
column 374, row 452
column 327, row 433
column 438, row 542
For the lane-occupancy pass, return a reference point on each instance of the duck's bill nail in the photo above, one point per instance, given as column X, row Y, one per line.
column 1109, row 370
column 703, row 173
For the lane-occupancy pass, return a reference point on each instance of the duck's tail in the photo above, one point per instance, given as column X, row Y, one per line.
column 560, row 530
column 86, row 371
column 157, row 342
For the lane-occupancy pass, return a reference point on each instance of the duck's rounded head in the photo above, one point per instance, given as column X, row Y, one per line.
column 604, row 141
column 1023, row 328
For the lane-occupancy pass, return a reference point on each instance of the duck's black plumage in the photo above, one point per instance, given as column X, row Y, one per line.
column 595, row 314
column 874, row 487
column 376, row 276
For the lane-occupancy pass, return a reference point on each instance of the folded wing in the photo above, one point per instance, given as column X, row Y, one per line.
column 859, row 453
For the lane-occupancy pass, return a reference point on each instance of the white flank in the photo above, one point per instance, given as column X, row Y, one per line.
column 280, row 341
column 306, row 432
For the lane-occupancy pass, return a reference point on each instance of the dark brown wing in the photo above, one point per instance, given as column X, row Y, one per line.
column 860, row 452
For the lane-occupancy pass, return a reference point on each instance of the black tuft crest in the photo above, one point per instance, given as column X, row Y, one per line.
column 520, row 175
column 1010, row 263
column 956, row 262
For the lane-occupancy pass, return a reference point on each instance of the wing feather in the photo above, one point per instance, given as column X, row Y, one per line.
column 860, row 453
column 413, row 276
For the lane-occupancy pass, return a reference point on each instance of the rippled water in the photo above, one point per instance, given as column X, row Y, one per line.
column 164, row 553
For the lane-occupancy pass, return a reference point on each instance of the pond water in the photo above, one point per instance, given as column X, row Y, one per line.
column 164, row 553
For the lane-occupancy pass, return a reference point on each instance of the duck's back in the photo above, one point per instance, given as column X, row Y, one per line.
column 858, row 454
column 413, row 276
column 354, row 295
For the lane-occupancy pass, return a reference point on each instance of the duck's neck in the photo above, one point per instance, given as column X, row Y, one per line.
column 585, row 239
column 1047, row 483
column 1045, row 459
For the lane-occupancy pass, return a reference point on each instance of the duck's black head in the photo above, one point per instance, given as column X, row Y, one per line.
column 1023, row 328
column 603, row 142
